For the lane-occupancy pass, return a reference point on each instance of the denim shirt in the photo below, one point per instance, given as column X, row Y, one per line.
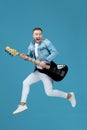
column 46, row 51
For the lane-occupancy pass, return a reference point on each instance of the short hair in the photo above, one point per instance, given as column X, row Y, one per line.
column 37, row 28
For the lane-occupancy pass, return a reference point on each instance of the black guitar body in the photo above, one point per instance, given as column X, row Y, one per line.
column 56, row 72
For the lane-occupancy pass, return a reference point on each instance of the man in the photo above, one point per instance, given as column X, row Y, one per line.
column 42, row 50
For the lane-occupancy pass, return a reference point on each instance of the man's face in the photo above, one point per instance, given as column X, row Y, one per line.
column 37, row 35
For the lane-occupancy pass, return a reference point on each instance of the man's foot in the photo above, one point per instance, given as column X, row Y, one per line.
column 72, row 99
column 20, row 108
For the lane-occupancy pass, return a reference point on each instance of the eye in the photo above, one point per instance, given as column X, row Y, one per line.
column 36, row 34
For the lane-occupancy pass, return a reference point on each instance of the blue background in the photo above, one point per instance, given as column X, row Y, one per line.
column 64, row 23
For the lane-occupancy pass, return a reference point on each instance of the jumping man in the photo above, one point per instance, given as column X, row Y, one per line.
column 44, row 51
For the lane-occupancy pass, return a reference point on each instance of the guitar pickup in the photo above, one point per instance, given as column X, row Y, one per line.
column 60, row 66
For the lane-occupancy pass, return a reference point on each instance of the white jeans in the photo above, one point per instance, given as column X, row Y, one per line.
column 47, row 82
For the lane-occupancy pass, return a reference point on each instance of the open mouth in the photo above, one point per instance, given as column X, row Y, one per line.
column 38, row 39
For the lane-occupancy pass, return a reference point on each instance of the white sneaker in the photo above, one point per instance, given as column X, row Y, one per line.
column 20, row 109
column 72, row 100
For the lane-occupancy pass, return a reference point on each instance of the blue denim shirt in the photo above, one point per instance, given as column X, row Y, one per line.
column 46, row 51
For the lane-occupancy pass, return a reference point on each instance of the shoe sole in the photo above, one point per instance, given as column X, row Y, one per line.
column 19, row 112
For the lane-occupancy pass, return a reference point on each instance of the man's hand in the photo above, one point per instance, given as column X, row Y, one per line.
column 43, row 64
column 23, row 56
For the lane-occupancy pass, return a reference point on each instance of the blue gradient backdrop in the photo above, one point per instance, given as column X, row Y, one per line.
column 64, row 23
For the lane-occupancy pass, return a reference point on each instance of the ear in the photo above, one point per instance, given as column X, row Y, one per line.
column 33, row 35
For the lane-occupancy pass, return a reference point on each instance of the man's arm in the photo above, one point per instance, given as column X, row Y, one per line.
column 52, row 50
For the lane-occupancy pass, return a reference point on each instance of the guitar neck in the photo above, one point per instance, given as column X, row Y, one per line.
column 37, row 62
column 13, row 52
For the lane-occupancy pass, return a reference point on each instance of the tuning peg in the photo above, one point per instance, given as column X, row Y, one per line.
column 5, row 50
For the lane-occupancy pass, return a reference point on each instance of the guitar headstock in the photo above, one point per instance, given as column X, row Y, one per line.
column 11, row 51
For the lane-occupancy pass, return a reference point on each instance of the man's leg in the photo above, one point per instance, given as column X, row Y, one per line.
column 32, row 78
column 48, row 86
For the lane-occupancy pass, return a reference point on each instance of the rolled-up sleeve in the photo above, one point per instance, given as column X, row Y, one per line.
column 29, row 52
column 52, row 51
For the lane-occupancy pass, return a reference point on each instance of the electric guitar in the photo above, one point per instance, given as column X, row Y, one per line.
column 56, row 71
